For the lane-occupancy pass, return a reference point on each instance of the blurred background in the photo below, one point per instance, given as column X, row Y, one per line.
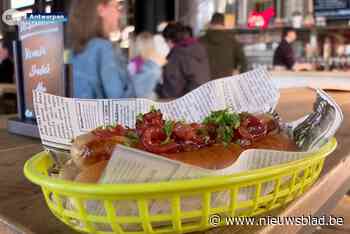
column 322, row 28
column 316, row 22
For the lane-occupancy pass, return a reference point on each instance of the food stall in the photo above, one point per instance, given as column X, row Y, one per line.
column 314, row 79
column 322, row 29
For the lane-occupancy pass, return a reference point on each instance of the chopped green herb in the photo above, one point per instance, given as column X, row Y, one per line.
column 182, row 121
column 226, row 122
column 244, row 115
column 110, row 127
column 132, row 135
column 202, row 132
column 132, row 138
column 139, row 117
column 153, row 109
column 168, row 130
column 127, row 143
column 225, row 134
column 223, row 117
column 107, row 127
column 100, row 127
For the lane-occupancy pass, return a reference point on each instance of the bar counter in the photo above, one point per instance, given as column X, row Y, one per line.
column 23, row 209
column 320, row 74
column 335, row 80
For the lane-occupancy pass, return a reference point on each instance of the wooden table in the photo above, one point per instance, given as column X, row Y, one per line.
column 23, row 210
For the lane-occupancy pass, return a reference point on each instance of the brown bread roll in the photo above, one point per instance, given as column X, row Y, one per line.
column 87, row 149
column 92, row 173
column 218, row 156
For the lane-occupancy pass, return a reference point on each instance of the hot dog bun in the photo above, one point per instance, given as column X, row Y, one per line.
column 278, row 141
column 212, row 157
column 87, row 149
column 218, row 156
column 92, row 173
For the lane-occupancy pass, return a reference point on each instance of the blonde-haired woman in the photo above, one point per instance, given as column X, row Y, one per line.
column 99, row 69
column 142, row 51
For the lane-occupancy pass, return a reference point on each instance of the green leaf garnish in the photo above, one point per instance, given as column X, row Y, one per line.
column 127, row 143
column 182, row 121
column 132, row 138
column 107, row 127
column 132, row 135
column 111, row 126
column 202, row 132
column 223, row 117
column 226, row 122
column 168, row 130
column 225, row 134
column 139, row 117
column 244, row 115
column 153, row 109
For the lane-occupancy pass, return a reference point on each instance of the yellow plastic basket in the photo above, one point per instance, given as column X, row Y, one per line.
column 286, row 182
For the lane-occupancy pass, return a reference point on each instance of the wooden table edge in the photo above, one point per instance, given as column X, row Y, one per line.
column 12, row 227
column 334, row 180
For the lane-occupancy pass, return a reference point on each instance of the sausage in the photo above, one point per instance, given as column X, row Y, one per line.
column 149, row 138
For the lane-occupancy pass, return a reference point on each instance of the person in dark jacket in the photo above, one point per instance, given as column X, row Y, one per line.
column 6, row 64
column 284, row 55
column 187, row 66
column 226, row 55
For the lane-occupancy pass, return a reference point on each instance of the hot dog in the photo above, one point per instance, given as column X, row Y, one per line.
column 214, row 143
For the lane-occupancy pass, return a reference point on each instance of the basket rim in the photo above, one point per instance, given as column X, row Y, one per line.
column 65, row 186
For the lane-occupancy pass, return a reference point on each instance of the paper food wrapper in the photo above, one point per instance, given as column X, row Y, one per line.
column 61, row 119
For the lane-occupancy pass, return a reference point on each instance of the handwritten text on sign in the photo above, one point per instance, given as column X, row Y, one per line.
column 42, row 57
